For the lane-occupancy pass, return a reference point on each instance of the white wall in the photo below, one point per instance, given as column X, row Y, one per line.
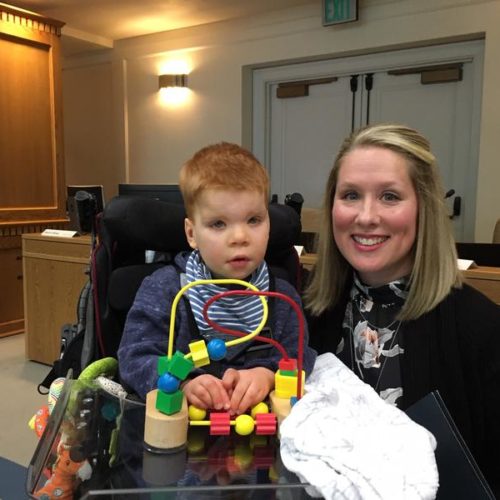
column 152, row 140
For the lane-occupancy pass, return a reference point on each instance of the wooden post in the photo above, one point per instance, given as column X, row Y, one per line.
column 164, row 432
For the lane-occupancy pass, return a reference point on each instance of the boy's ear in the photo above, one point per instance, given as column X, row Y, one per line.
column 189, row 230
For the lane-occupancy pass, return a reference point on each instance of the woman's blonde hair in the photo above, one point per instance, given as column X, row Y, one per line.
column 435, row 269
column 221, row 166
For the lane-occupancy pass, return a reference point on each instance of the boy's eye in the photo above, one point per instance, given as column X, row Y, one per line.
column 218, row 224
column 254, row 220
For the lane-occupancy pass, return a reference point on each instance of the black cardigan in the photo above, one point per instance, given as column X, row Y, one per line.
column 453, row 349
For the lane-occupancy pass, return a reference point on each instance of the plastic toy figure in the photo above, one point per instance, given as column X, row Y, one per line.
column 67, row 472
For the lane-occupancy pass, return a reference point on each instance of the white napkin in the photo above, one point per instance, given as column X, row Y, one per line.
column 346, row 442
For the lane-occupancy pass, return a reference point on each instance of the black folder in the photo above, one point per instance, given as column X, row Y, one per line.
column 459, row 474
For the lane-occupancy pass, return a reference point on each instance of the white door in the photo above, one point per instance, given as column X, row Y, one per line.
column 298, row 137
column 304, row 136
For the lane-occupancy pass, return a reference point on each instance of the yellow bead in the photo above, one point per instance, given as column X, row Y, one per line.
column 196, row 413
column 259, row 408
column 199, row 353
column 285, row 386
column 244, row 425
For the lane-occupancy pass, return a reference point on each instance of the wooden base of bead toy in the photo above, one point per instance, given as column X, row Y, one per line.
column 281, row 407
column 164, row 432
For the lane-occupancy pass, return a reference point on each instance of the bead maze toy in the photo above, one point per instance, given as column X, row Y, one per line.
column 167, row 414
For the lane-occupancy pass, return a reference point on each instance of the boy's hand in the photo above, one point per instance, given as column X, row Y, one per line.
column 207, row 392
column 246, row 388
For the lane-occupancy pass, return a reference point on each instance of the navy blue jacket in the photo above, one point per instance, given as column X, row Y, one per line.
column 145, row 336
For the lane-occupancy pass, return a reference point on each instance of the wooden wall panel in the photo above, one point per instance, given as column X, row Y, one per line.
column 26, row 142
column 32, row 181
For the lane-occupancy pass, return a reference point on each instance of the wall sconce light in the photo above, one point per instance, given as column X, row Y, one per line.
column 172, row 81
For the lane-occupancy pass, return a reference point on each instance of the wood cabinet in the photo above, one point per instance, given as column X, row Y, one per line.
column 54, row 271
column 11, row 272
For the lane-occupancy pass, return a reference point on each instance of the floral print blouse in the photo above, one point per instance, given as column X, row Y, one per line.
column 372, row 344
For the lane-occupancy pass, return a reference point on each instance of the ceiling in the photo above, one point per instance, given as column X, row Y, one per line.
column 96, row 24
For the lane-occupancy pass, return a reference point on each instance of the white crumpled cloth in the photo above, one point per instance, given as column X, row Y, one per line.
column 346, row 442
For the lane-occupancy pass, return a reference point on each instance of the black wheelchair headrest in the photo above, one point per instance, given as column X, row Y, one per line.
column 149, row 224
column 145, row 224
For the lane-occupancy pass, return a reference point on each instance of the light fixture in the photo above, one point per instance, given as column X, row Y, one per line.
column 166, row 81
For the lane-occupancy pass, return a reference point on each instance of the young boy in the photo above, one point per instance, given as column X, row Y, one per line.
column 225, row 191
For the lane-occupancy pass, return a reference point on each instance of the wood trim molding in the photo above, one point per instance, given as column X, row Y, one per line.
column 300, row 88
column 12, row 327
column 28, row 19
column 56, row 258
column 7, row 229
column 438, row 73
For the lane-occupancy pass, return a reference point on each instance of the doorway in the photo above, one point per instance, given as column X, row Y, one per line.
column 302, row 112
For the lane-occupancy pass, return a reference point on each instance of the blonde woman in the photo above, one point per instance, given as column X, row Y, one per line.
column 386, row 295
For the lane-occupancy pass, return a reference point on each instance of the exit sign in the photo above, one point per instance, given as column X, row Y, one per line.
column 339, row 11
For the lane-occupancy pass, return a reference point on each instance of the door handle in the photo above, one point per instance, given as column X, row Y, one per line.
column 457, row 206
column 457, row 203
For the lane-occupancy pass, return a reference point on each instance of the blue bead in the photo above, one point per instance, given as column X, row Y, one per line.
column 216, row 349
column 168, row 383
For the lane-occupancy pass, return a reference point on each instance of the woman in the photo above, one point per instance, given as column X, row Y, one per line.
column 386, row 295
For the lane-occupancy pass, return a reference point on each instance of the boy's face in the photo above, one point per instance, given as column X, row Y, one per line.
column 230, row 229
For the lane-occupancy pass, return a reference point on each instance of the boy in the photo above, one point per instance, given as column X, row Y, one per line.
column 225, row 191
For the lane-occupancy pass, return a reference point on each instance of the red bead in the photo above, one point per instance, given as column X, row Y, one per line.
column 288, row 365
column 220, row 424
column 265, row 423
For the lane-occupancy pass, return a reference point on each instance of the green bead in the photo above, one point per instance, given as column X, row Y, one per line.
column 178, row 365
column 169, row 403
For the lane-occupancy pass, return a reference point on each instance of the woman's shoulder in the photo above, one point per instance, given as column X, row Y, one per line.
column 469, row 296
column 473, row 310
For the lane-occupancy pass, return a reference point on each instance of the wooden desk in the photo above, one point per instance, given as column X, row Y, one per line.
column 308, row 260
column 54, row 274
column 485, row 279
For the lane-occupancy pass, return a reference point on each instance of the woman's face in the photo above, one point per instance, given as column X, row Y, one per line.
column 374, row 214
